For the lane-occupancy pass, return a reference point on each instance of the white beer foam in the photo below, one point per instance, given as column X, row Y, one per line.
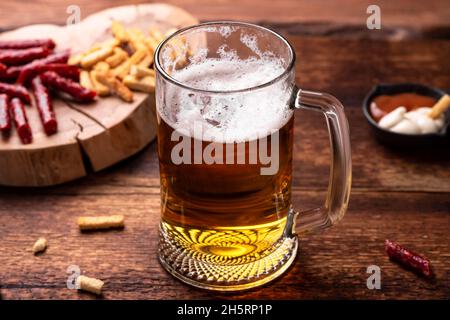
column 229, row 117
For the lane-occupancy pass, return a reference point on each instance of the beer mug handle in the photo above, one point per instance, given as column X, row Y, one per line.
column 336, row 202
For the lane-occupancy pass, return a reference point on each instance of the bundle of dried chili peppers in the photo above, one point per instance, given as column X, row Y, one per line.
column 33, row 63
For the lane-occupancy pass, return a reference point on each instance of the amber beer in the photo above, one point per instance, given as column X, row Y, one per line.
column 225, row 101
column 230, row 211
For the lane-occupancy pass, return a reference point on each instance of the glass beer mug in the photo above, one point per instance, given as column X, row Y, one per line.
column 225, row 100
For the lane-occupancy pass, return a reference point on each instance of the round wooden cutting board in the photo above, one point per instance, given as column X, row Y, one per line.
column 90, row 136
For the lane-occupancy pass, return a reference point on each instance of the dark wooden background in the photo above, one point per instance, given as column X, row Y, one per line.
column 400, row 195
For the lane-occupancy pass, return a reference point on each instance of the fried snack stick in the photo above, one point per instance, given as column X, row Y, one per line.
column 108, row 43
column 76, row 59
column 101, row 89
column 92, row 58
column 136, row 39
column 147, row 61
column 117, row 58
column 140, row 72
column 145, row 84
column 115, row 86
column 101, row 66
column 85, row 80
column 122, row 70
column 440, row 107
column 102, row 222
column 118, row 31
column 40, row 245
column 89, row 284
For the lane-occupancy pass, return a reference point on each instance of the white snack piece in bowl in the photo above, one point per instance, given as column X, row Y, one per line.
column 439, row 122
column 392, row 118
column 427, row 125
column 422, row 110
column 416, row 121
column 406, row 126
column 415, row 115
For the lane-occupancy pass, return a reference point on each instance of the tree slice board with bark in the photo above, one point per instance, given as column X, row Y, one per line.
column 94, row 136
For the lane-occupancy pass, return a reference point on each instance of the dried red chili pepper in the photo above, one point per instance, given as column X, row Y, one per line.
column 64, row 70
column 15, row 91
column 72, row 88
column 25, row 44
column 22, row 56
column 5, row 118
column 27, row 72
column 44, row 105
column 11, row 73
column 409, row 259
column 21, row 121
column 3, row 69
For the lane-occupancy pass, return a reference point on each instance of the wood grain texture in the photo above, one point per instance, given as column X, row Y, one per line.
column 90, row 136
column 329, row 265
column 400, row 195
column 430, row 17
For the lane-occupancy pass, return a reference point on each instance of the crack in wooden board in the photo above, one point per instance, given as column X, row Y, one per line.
column 47, row 158
column 123, row 130
column 126, row 128
column 106, row 131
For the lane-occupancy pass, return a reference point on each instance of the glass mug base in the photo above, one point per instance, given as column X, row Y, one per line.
column 224, row 91
column 189, row 266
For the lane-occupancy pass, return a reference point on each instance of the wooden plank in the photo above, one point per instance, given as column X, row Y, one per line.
column 347, row 69
column 403, row 196
column 330, row 264
column 100, row 133
column 384, row 170
column 417, row 15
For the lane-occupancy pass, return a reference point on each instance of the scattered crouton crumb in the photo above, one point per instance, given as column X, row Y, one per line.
column 103, row 222
column 90, row 284
column 40, row 245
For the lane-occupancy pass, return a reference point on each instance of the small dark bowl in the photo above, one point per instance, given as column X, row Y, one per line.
column 406, row 140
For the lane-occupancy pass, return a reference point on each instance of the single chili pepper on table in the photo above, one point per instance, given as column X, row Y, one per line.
column 22, row 56
column 409, row 259
column 5, row 118
column 44, row 105
column 25, row 44
column 15, row 91
column 72, row 88
column 21, row 121
column 26, row 72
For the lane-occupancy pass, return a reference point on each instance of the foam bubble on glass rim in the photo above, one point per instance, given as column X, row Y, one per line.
column 228, row 118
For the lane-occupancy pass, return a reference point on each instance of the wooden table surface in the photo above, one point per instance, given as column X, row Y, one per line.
column 398, row 195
